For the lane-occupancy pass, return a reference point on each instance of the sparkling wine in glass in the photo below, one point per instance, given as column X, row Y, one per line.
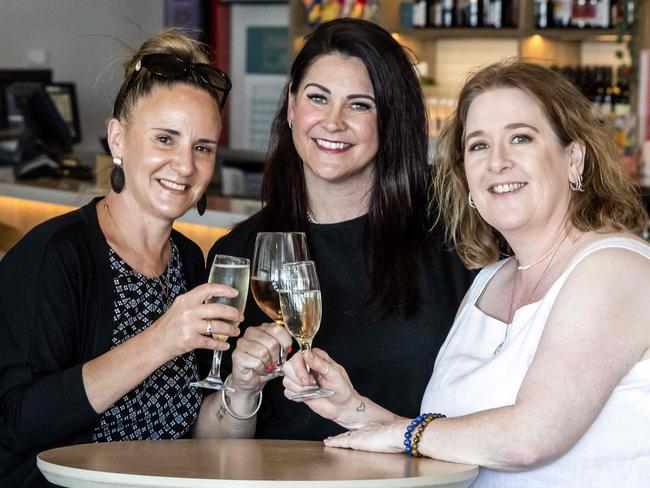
column 234, row 272
column 272, row 249
column 300, row 301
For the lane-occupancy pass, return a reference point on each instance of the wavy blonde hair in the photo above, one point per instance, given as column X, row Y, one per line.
column 610, row 199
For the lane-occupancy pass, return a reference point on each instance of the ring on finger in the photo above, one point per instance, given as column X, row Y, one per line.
column 208, row 329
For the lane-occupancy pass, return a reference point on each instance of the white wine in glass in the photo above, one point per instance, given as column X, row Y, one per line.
column 233, row 272
column 272, row 250
column 300, row 301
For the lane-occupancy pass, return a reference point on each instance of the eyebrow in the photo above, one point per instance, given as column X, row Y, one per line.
column 349, row 97
column 173, row 132
column 516, row 125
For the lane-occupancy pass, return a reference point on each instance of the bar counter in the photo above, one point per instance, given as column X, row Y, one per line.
column 24, row 204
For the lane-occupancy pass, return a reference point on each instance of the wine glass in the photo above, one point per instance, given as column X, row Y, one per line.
column 272, row 249
column 234, row 272
column 300, row 301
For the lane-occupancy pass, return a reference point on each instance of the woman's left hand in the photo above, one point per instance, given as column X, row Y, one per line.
column 376, row 437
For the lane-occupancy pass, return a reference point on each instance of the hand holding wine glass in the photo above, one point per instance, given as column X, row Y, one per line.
column 272, row 249
column 300, row 301
column 234, row 272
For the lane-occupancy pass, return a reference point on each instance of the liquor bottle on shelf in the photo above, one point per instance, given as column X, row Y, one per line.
column 562, row 13
column 510, row 13
column 493, row 13
column 434, row 13
column 583, row 13
column 419, row 16
column 448, row 13
column 542, row 15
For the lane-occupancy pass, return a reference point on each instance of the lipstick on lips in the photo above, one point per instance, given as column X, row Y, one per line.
column 332, row 146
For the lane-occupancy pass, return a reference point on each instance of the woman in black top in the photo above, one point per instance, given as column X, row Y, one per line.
column 348, row 165
column 97, row 323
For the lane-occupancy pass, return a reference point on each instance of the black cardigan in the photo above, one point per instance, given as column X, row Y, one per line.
column 56, row 313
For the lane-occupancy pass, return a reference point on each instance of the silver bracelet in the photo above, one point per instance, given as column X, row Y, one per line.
column 225, row 399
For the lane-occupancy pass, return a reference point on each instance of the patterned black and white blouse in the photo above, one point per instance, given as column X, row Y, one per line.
column 164, row 406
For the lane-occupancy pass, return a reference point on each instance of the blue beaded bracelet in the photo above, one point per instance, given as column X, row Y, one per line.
column 420, row 423
column 409, row 431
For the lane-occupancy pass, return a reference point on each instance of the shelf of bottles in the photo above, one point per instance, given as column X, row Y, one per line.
column 491, row 14
column 562, row 19
column 582, row 14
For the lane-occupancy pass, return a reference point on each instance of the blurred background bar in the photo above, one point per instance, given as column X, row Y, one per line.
column 60, row 68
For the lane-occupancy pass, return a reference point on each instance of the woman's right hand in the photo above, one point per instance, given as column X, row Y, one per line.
column 343, row 406
column 255, row 352
column 183, row 327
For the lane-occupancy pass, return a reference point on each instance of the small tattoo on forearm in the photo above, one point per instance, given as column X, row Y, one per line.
column 361, row 407
column 221, row 413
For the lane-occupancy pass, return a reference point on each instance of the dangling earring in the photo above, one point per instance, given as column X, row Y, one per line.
column 202, row 204
column 577, row 186
column 470, row 201
column 117, row 175
column 290, row 122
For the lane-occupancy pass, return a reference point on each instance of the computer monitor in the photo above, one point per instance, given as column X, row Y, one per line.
column 64, row 96
column 41, row 129
column 9, row 77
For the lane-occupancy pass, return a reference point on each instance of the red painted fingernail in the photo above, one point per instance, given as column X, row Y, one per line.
column 289, row 349
column 271, row 366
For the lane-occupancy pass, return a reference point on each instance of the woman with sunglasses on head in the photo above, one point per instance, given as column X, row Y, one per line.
column 348, row 166
column 97, row 321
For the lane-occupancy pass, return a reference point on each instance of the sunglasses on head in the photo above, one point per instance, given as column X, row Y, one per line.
column 170, row 67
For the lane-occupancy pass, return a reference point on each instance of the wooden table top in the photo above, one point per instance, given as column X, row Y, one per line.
column 242, row 462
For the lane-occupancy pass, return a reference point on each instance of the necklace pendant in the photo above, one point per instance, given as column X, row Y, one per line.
column 498, row 349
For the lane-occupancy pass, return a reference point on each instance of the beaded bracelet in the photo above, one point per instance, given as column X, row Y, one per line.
column 225, row 400
column 420, row 422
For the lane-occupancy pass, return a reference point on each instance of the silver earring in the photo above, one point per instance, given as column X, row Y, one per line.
column 470, row 202
column 117, row 161
column 290, row 122
column 577, row 186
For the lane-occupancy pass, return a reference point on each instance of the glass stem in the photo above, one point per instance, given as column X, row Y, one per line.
column 215, row 370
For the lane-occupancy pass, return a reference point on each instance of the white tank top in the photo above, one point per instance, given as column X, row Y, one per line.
column 468, row 377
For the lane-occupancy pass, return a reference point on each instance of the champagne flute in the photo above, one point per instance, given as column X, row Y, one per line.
column 272, row 249
column 300, row 301
column 234, row 272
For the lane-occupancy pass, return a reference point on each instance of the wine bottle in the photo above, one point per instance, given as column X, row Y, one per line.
column 434, row 14
column 541, row 14
column 448, row 13
column 419, row 13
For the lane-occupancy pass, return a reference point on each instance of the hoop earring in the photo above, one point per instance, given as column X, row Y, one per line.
column 202, row 204
column 470, row 202
column 577, row 186
column 290, row 123
column 117, row 176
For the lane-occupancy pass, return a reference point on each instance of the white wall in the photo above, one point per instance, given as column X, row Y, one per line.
column 82, row 41
column 245, row 86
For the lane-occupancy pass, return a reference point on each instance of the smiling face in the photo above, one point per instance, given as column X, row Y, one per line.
column 168, row 149
column 334, row 118
column 516, row 168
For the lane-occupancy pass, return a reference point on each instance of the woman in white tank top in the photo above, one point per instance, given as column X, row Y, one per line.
column 545, row 375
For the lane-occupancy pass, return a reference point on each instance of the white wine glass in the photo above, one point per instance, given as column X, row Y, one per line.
column 233, row 272
column 300, row 301
column 273, row 249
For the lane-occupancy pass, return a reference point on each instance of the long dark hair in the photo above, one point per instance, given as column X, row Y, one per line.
column 397, row 219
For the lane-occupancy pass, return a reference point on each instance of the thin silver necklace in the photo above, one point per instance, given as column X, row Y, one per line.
column 554, row 250
column 164, row 288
